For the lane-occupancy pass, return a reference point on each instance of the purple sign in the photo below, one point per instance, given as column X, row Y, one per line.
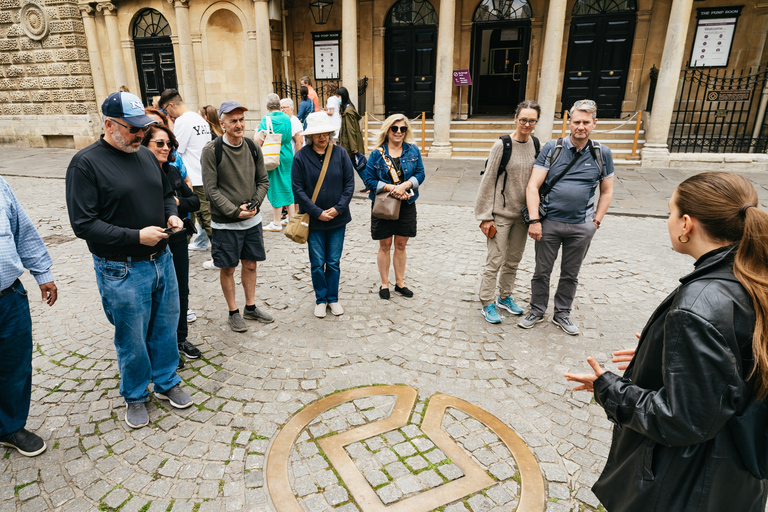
column 461, row 77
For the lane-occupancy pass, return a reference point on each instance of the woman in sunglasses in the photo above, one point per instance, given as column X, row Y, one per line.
column 394, row 167
column 161, row 142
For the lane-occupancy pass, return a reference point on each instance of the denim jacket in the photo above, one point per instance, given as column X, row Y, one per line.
column 376, row 174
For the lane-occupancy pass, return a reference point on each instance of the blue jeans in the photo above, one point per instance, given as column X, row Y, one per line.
column 325, row 246
column 16, row 361
column 141, row 299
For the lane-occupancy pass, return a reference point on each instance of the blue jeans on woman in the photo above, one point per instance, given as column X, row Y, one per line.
column 141, row 299
column 325, row 247
column 16, row 363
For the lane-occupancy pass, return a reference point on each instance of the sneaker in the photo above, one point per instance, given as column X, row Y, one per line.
column 137, row 415
column 178, row 398
column 404, row 291
column 26, row 443
column 236, row 323
column 566, row 325
column 209, row 265
column 193, row 247
column 257, row 314
column 191, row 316
column 181, row 364
column 188, row 349
column 320, row 310
column 530, row 320
column 491, row 314
column 284, row 222
column 509, row 305
column 336, row 308
column 273, row 227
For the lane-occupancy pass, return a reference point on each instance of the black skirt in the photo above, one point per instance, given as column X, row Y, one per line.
column 405, row 225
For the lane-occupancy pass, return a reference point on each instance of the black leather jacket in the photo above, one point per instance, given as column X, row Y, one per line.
column 670, row 451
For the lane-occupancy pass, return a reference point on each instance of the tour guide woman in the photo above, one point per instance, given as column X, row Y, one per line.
column 329, row 214
column 395, row 140
column 701, row 360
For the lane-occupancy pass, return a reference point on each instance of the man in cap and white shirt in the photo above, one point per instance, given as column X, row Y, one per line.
column 120, row 202
column 235, row 182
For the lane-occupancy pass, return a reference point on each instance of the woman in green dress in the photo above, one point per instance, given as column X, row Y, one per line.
column 280, row 192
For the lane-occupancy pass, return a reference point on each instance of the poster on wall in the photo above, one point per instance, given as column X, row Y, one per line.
column 714, row 36
column 327, row 55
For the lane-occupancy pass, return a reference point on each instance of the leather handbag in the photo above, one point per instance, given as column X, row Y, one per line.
column 298, row 227
column 386, row 206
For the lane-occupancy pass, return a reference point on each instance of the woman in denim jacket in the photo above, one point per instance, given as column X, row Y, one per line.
column 394, row 144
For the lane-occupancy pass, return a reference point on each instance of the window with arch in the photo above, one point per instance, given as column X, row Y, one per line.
column 150, row 23
column 411, row 12
column 593, row 7
column 502, row 10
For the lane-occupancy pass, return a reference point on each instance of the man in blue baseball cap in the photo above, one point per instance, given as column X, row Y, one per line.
column 120, row 202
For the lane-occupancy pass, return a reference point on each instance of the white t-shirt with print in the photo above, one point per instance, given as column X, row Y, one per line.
column 296, row 127
column 193, row 133
column 334, row 102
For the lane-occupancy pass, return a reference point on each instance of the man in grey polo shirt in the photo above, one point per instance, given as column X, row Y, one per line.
column 571, row 219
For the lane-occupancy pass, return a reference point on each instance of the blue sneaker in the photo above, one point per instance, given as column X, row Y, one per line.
column 491, row 314
column 509, row 305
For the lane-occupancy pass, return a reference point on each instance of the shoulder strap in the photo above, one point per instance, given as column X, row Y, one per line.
column 536, row 145
column 390, row 166
column 546, row 188
column 268, row 121
column 322, row 172
column 556, row 152
column 506, row 142
column 597, row 154
column 252, row 148
column 218, row 149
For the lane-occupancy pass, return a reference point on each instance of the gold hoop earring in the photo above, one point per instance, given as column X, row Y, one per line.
column 680, row 239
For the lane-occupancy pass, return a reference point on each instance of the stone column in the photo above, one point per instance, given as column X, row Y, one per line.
column 109, row 11
column 446, row 31
column 188, row 77
column 92, row 40
column 264, row 50
column 131, row 70
column 655, row 148
column 197, row 55
column 349, row 48
column 549, row 81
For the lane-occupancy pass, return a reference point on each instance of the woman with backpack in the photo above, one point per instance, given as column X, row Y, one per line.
column 350, row 136
column 500, row 199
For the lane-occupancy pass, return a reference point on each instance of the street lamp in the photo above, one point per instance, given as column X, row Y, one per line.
column 321, row 11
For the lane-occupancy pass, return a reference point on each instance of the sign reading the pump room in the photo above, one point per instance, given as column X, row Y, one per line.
column 714, row 36
column 327, row 55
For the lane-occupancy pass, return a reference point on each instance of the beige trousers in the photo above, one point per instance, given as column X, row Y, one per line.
column 505, row 250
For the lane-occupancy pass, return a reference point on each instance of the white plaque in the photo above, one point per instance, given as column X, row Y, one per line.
column 327, row 59
column 712, row 45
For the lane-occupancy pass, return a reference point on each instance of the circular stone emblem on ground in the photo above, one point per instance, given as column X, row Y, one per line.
column 380, row 449
column 34, row 21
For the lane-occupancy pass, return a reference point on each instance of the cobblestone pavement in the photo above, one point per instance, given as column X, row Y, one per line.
column 211, row 457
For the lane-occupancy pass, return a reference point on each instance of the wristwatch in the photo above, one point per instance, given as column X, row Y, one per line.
column 534, row 221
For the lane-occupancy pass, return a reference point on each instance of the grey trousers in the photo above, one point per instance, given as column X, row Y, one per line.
column 575, row 240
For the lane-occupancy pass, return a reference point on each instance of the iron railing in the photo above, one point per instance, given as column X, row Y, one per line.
column 291, row 90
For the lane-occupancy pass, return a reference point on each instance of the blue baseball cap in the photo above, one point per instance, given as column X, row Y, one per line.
column 124, row 105
column 229, row 106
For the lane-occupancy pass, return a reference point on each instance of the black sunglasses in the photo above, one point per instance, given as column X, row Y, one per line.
column 133, row 130
column 403, row 129
column 162, row 143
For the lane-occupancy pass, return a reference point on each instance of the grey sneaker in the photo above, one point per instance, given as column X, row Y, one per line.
column 236, row 323
column 258, row 314
column 137, row 415
column 530, row 320
column 565, row 324
column 178, row 398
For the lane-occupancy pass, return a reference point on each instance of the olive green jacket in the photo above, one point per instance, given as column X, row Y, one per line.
column 351, row 138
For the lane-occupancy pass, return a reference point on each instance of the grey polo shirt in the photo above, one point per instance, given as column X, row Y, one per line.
column 572, row 200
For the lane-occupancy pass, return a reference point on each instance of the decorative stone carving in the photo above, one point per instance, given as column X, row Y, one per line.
column 34, row 21
column 107, row 8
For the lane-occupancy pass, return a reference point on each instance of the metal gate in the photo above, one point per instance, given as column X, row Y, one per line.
column 720, row 111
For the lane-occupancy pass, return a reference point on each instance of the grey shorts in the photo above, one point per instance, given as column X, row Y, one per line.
column 229, row 246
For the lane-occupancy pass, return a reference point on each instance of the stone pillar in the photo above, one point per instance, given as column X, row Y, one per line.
column 349, row 48
column 655, row 148
column 188, row 77
column 549, row 81
column 197, row 54
column 264, row 51
column 94, row 56
column 446, row 31
column 109, row 11
column 131, row 70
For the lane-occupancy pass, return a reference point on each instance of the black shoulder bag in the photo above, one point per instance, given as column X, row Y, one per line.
column 545, row 189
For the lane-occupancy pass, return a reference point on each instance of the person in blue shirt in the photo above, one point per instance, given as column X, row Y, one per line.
column 20, row 247
column 306, row 106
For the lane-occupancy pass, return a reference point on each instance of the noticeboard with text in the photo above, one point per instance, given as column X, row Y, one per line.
column 461, row 77
column 327, row 55
column 714, row 36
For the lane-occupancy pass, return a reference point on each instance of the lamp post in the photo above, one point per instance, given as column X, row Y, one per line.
column 321, row 11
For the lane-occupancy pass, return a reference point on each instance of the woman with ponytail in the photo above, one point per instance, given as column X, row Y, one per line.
column 701, row 361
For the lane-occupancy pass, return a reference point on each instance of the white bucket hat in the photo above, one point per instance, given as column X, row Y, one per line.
column 318, row 122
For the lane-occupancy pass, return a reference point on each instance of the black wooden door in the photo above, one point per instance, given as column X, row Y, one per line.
column 499, row 67
column 411, row 59
column 156, row 66
column 599, row 50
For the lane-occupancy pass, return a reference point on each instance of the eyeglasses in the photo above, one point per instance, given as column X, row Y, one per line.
column 133, row 130
column 588, row 103
column 402, row 129
column 162, row 143
column 527, row 121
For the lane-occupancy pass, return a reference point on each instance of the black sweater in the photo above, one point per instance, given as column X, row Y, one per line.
column 112, row 195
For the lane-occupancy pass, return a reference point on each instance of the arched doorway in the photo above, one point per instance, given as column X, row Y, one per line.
column 501, row 35
column 599, row 51
column 411, row 58
column 154, row 54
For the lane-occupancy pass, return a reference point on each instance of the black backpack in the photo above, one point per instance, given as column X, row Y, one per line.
column 594, row 148
column 506, row 140
column 218, row 149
